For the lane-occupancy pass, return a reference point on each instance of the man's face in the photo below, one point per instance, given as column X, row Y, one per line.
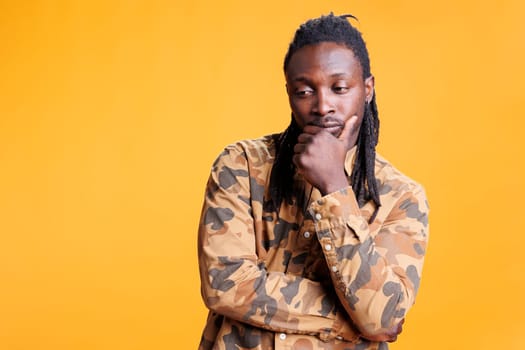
column 325, row 87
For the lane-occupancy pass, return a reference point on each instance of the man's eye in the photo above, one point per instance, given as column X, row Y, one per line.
column 341, row 89
column 303, row 92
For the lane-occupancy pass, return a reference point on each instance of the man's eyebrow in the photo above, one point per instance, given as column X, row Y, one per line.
column 339, row 75
column 302, row 78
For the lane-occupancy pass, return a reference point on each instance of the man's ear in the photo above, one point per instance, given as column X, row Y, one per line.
column 369, row 88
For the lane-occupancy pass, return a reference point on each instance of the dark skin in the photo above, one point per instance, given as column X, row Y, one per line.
column 327, row 94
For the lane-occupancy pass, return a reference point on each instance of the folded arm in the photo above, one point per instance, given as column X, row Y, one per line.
column 235, row 282
column 376, row 277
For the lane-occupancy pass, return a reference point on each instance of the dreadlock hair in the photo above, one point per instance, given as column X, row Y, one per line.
column 337, row 29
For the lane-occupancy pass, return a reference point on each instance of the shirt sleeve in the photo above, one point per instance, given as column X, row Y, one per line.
column 236, row 284
column 376, row 276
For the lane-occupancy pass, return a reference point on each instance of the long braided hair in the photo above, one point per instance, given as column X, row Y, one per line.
column 330, row 28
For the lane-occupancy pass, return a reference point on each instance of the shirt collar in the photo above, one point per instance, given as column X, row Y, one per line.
column 349, row 160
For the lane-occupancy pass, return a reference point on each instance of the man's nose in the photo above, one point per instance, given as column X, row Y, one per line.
column 323, row 103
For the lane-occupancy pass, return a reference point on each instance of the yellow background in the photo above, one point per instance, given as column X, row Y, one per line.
column 111, row 113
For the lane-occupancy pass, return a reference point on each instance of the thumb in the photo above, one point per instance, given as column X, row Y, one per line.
column 350, row 125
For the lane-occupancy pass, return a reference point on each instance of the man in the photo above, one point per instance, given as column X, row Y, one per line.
column 307, row 240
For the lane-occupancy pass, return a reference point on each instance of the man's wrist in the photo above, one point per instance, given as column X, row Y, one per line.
column 333, row 187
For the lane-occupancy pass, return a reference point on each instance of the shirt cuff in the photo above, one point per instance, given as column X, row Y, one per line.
column 339, row 209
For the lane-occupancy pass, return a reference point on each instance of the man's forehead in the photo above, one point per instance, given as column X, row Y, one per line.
column 327, row 58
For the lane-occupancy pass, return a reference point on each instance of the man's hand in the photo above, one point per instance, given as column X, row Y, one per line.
column 390, row 335
column 320, row 156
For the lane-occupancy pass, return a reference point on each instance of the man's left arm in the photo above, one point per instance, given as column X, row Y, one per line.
column 376, row 277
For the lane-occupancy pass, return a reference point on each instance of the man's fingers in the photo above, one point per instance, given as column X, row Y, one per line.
column 299, row 148
column 304, row 138
column 396, row 331
column 349, row 127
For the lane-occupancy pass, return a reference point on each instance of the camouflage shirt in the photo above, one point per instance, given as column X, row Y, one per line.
column 318, row 277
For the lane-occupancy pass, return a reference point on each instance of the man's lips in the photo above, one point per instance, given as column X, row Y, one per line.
column 334, row 128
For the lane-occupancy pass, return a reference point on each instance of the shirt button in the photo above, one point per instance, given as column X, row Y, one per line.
column 328, row 247
column 282, row 336
column 334, row 268
column 306, row 234
column 318, row 216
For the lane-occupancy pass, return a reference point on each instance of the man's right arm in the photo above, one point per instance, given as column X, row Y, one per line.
column 233, row 281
